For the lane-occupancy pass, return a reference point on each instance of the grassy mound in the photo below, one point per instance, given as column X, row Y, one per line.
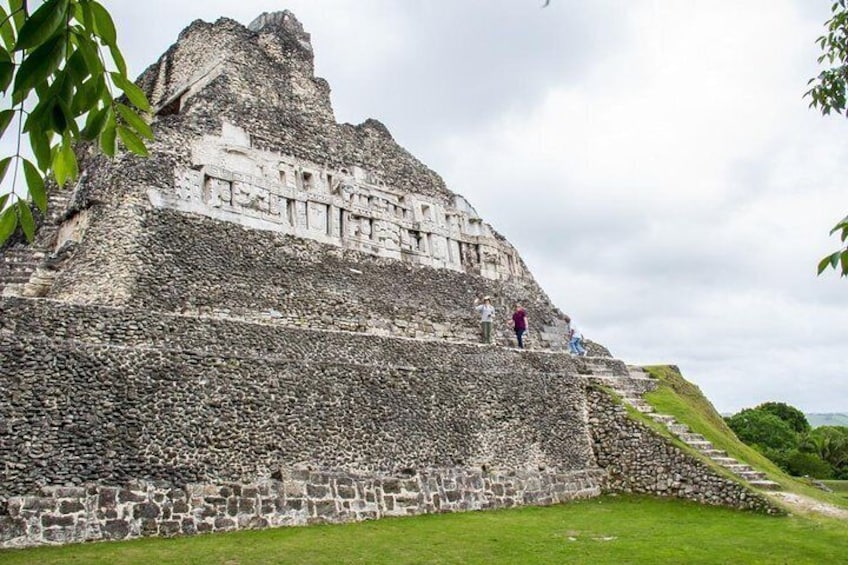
column 685, row 401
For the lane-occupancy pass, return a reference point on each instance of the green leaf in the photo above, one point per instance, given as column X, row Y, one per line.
column 107, row 134
column 824, row 264
column 844, row 259
column 94, row 123
column 65, row 162
column 103, row 24
column 39, row 140
column 132, row 141
column 26, row 219
column 135, row 121
column 88, row 48
column 7, row 31
column 18, row 11
column 58, row 120
column 4, row 167
column 39, row 117
column 42, row 24
column 35, row 184
column 77, row 67
column 8, row 223
column 86, row 96
column 87, row 17
column 3, row 199
column 843, row 223
column 134, row 93
column 71, row 123
column 7, row 70
column 119, row 60
column 38, row 66
column 5, row 119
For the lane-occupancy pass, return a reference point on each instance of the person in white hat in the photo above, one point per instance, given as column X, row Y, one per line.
column 487, row 314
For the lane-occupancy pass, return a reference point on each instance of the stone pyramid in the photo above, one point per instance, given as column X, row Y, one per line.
column 268, row 322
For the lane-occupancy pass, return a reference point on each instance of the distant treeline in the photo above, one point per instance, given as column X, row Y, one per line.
column 834, row 419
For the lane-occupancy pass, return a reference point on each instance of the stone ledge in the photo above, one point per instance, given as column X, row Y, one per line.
column 139, row 509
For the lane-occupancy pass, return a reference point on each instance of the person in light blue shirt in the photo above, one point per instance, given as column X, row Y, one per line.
column 575, row 341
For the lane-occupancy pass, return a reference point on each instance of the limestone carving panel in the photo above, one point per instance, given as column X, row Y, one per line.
column 260, row 189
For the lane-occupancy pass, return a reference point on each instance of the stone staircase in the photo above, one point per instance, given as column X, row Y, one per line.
column 21, row 273
column 636, row 383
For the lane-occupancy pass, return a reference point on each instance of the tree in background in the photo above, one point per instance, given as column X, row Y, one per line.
column 60, row 75
column 763, row 429
column 789, row 414
column 828, row 94
column 830, row 444
column 782, row 433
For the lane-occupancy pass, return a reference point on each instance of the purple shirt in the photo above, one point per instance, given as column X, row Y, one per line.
column 519, row 319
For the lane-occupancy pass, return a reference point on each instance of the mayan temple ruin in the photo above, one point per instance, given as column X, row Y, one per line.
column 268, row 322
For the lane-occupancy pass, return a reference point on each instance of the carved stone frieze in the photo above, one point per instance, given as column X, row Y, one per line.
column 345, row 206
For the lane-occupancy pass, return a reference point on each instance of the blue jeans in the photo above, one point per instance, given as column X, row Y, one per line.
column 519, row 335
column 576, row 345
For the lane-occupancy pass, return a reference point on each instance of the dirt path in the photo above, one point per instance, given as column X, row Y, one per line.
column 806, row 504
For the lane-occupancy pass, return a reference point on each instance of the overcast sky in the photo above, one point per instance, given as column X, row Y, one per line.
column 653, row 161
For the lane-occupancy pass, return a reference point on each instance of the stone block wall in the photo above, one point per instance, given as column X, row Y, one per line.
column 170, row 262
column 125, row 327
column 639, row 460
column 92, row 402
column 144, row 508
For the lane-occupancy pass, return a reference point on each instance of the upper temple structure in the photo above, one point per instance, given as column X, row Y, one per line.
column 268, row 322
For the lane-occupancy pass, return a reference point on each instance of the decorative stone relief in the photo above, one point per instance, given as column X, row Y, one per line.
column 347, row 206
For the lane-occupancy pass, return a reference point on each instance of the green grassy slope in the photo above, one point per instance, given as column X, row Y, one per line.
column 685, row 401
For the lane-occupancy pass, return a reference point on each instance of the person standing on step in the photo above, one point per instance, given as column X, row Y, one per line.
column 575, row 341
column 519, row 324
column 487, row 314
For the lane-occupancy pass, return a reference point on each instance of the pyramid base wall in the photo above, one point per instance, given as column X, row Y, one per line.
column 57, row 515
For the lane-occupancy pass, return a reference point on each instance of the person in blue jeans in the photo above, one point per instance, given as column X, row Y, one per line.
column 519, row 324
column 575, row 342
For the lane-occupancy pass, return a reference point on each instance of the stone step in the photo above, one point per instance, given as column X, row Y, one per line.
column 663, row 418
column 700, row 445
column 738, row 467
column 690, row 437
column 765, row 484
column 678, row 429
column 751, row 475
column 725, row 461
column 713, row 453
column 21, row 267
column 15, row 278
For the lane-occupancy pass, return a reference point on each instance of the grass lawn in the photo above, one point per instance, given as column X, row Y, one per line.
column 621, row 529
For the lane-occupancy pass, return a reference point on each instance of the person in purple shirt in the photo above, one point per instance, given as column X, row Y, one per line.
column 519, row 324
